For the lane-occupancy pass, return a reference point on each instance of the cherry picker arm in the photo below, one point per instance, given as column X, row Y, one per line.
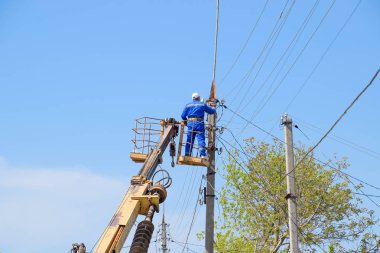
column 141, row 198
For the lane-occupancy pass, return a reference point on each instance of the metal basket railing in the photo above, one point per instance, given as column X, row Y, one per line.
column 194, row 146
column 147, row 134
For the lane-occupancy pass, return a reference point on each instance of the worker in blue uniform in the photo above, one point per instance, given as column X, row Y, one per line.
column 193, row 115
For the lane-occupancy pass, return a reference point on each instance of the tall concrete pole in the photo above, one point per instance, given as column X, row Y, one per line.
column 290, row 176
column 210, row 189
column 163, row 236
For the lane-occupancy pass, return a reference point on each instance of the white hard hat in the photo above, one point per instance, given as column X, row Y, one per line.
column 195, row 95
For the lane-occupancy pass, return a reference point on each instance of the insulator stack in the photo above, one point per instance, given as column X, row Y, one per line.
column 143, row 235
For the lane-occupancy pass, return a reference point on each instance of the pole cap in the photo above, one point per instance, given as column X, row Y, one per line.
column 286, row 119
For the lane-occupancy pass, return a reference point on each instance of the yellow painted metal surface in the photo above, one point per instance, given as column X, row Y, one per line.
column 138, row 157
column 180, row 142
column 146, row 201
column 121, row 223
column 189, row 160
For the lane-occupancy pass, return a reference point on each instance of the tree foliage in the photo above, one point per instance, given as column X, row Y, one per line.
column 254, row 218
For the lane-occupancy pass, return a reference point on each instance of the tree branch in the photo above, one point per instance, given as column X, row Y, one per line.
column 280, row 242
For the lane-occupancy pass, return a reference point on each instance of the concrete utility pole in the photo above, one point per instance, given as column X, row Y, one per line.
column 290, row 176
column 163, row 236
column 210, row 189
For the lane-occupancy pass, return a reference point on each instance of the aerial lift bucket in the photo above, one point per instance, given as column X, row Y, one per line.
column 195, row 160
column 148, row 131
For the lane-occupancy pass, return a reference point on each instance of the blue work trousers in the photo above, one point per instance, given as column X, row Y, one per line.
column 195, row 128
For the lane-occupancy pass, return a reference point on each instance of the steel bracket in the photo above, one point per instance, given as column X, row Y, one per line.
column 146, row 201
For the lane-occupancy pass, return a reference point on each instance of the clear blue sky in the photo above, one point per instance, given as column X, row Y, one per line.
column 75, row 74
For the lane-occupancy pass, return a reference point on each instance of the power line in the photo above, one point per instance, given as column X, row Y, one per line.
column 275, row 37
column 253, row 124
column 307, row 154
column 357, row 179
column 268, row 133
column 193, row 217
column 216, row 40
column 181, row 210
column 187, row 247
column 339, row 171
column 347, row 176
column 271, row 194
column 364, row 194
column 341, row 140
column 368, row 195
column 263, row 104
column 245, row 44
column 323, row 55
column 260, row 182
column 236, row 140
column 341, row 116
column 248, row 73
column 186, row 201
column 237, row 186
column 291, row 46
column 192, row 244
column 312, row 72
column 301, row 231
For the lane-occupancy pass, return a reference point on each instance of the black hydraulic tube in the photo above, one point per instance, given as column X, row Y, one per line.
column 144, row 232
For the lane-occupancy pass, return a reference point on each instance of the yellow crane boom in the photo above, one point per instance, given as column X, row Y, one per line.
column 141, row 198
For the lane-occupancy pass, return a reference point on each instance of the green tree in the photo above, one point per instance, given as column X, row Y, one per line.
column 254, row 218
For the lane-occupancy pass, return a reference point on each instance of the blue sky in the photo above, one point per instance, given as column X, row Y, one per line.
column 75, row 74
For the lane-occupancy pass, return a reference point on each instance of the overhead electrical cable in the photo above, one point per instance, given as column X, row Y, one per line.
column 260, row 182
column 370, row 195
column 216, row 40
column 340, row 117
column 181, row 245
column 192, row 244
column 275, row 137
column 249, row 122
column 271, row 194
column 250, row 157
column 185, row 200
column 270, row 42
column 316, row 66
column 264, row 103
column 312, row 72
column 298, row 226
column 325, row 190
column 269, row 51
column 360, row 148
column 323, row 55
column 364, row 194
column 245, row 44
column 237, row 185
column 288, row 51
column 242, row 81
column 193, row 217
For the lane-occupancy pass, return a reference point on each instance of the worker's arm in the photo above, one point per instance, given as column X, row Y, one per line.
column 184, row 113
column 209, row 110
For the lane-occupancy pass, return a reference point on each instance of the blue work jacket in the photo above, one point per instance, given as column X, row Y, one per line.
column 196, row 109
